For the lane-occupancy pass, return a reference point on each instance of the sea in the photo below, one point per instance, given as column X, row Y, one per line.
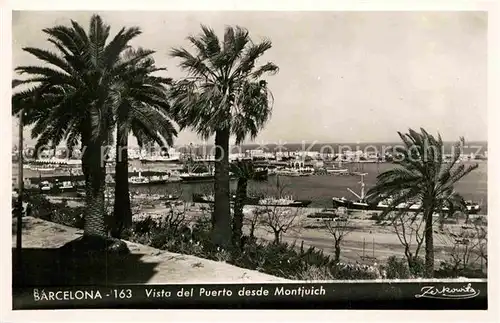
column 320, row 188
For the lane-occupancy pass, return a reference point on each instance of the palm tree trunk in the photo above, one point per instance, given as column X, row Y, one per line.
column 241, row 195
column 94, row 172
column 429, row 242
column 122, row 212
column 221, row 231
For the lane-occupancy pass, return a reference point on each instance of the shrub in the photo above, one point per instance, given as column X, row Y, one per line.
column 417, row 268
column 315, row 273
column 55, row 212
column 357, row 271
column 397, row 268
column 451, row 270
column 72, row 217
column 278, row 259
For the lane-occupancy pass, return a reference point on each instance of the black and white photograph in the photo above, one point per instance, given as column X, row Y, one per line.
column 239, row 159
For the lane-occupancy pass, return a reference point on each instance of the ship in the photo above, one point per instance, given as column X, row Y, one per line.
column 362, row 204
column 270, row 201
column 197, row 177
column 160, row 159
column 66, row 186
column 172, row 156
column 144, row 180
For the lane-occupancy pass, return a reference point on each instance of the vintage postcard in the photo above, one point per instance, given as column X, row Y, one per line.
column 274, row 158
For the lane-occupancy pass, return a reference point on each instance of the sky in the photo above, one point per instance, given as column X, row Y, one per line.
column 344, row 76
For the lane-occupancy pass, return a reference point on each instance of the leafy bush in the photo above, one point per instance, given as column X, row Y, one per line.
column 357, row 271
column 397, row 268
column 278, row 259
column 417, row 268
column 72, row 217
column 315, row 273
column 450, row 270
column 60, row 213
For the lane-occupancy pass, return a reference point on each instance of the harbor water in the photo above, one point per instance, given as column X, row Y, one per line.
column 321, row 188
column 318, row 188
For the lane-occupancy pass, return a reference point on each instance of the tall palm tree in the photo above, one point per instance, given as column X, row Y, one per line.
column 422, row 176
column 141, row 109
column 224, row 95
column 69, row 99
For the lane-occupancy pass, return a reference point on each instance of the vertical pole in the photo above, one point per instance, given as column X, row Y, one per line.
column 373, row 248
column 19, row 239
column 363, row 248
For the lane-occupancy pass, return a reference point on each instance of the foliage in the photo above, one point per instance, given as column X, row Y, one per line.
column 409, row 230
column 280, row 220
column 275, row 216
column 140, row 107
column 244, row 172
column 397, row 268
column 280, row 259
column 42, row 208
column 423, row 177
column 338, row 230
column 252, row 220
column 223, row 94
column 468, row 256
column 223, row 75
column 70, row 99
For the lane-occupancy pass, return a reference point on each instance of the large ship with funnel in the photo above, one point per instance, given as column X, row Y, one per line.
column 361, row 202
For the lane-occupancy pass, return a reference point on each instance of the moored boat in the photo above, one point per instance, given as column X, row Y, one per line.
column 268, row 201
column 411, row 206
column 46, row 186
column 196, row 177
column 66, row 186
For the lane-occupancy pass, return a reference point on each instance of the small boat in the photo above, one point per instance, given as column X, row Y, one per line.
column 46, row 186
column 203, row 198
column 43, row 169
column 288, row 172
column 173, row 179
column 324, row 214
column 337, row 171
column 138, row 180
column 66, row 186
column 169, row 197
column 270, row 201
column 195, row 177
column 261, row 174
column 284, row 201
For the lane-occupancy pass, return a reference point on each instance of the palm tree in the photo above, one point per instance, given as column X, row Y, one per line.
column 423, row 177
column 224, row 95
column 70, row 99
column 244, row 172
column 141, row 109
